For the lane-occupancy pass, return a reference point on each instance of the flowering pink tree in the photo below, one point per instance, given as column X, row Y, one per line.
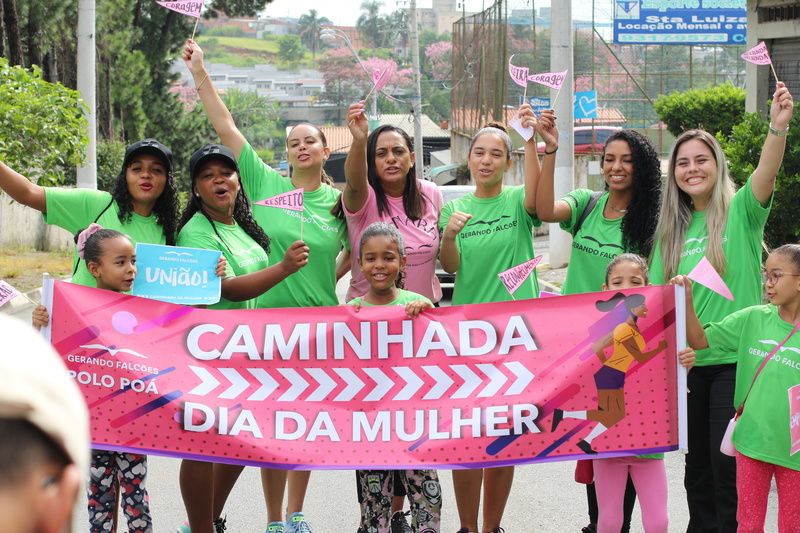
column 439, row 57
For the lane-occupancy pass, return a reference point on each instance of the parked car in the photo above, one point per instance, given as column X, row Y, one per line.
column 450, row 192
column 582, row 139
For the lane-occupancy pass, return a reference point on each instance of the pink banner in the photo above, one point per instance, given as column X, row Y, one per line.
column 554, row 80
column 705, row 274
column 516, row 276
column 380, row 77
column 794, row 418
column 332, row 388
column 192, row 8
column 7, row 293
column 518, row 74
column 758, row 55
column 289, row 200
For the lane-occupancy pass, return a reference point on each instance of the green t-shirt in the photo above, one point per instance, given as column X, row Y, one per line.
column 75, row 209
column 741, row 243
column 243, row 254
column 763, row 431
column 497, row 237
column 404, row 298
column 315, row 283
column 599, row 241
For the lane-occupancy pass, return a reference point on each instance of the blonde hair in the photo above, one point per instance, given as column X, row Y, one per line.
column 677, row 210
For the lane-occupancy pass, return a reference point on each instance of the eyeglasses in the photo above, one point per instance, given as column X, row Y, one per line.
column 772, row 277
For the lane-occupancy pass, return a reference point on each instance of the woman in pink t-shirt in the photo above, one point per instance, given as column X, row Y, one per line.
column 381, row 187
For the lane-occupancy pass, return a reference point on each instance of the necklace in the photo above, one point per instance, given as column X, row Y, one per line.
column 617, row 210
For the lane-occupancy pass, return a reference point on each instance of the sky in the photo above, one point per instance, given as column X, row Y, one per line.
column 345, row 12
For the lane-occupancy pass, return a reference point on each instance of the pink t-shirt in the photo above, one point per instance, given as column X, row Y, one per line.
column 421, row 239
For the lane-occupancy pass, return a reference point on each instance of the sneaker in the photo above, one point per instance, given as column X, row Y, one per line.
column 399, row 523
column 297, row 524
column 219, row 525
column 498, row 529
column 275, row 527
column 591, row 528
column 184, row 528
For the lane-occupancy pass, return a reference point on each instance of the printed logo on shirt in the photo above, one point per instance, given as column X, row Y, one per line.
column 689, row 249
column 317, row 220
column 596, row 250
column 422, row 254
column 781, row 356
column 261, row 257
column 494, row 226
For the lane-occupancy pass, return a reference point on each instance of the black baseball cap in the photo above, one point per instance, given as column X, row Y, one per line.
column 148, row 146
column 212, row 152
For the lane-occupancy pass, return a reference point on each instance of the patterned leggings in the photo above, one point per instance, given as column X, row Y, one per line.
column 131, row 471
column 753, row 479
column 424, row 496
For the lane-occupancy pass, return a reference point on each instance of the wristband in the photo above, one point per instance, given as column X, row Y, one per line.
column 201, row 83
column 556, row 150
column 777, row 133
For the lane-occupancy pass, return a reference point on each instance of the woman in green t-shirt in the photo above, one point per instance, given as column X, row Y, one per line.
column 142, row 203
column 485, row 233
column 218, row 217
column 703, row 216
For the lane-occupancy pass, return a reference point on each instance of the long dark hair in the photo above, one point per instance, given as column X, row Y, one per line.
column 639, row 223
column 631, row 301
column 242, row 214
column 165, row 208
column 413, row 199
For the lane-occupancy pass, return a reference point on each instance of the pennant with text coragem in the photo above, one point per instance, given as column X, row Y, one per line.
column 193, row 8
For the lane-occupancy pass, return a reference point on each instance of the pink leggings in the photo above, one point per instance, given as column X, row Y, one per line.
column 753, row 478
column 650, row 479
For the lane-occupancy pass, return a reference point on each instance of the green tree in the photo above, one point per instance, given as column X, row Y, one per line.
column 258, row 118
column 49, row 129
column 714, row 109
column 743, row 149
column 310, row 25
column 290, row 49
column 370, row 22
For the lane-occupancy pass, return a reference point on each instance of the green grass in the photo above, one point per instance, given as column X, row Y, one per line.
column 243, row 51
column 257, row 45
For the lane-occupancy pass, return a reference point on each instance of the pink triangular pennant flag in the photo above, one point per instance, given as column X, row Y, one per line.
column 705, row 275
column 554, row 80
column 7, row 293
column 518, row 74
column 380, row 77
column 187, row 7
column 516, row 276
column 758, row 55
column 288, row 200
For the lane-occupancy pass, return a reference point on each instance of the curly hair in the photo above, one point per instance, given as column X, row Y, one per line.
column 384, row 229
column 639, row 223
column 413, row 199
column 165, row 208
column 242, row 214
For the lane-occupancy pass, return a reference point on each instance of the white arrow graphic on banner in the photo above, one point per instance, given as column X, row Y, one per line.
column 471, row 381
column 497, row 380
column 298, row 384
column 414, row 383
column 443, row 382
column 383, row 384
column 353, row 385
column 326, row 384
column 238, row 384
column 268, row 385
column 524, row 377
column 208, row 384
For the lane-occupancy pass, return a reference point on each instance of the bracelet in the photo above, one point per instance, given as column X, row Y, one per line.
column 201, row 83
column 778, row 133
column 556, row 150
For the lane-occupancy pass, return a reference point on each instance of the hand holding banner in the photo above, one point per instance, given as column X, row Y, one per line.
column 516, row 276
column 704, row 274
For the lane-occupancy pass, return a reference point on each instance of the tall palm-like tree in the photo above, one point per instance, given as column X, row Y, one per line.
column 370, row 21
column 310, row 25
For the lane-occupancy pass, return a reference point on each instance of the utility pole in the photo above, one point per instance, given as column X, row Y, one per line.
column 87, row 173
column 561, row 59
column 416, row 98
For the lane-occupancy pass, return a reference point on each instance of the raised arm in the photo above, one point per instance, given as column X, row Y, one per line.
column 253, row 285
column 780, row 113
column 219, row 115
column 21, row 189
column 547, row 208
column 356, row 189
column 534, row 172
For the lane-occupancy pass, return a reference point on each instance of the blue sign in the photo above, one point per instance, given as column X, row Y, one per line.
column 178, row 275
column 713, row 22
column 537, row 104
column 585, row 105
